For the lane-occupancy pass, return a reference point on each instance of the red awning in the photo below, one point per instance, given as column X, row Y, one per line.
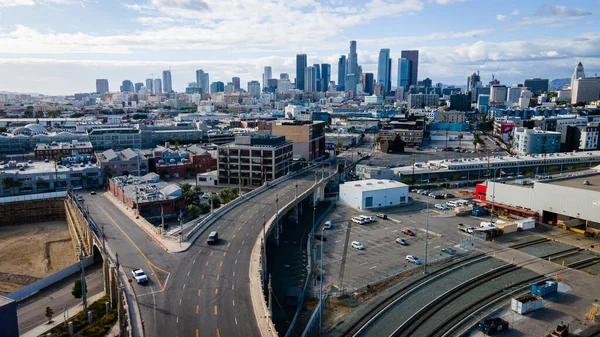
column 520, row 210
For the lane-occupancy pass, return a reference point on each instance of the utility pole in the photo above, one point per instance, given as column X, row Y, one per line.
column 321, row 286
column 270, row 294
column 264, row 248
column 493, row 197
column 414, row 158
column 426, row 239
column 83, row 286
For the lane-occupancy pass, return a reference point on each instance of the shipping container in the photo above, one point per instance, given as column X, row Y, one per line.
column 526, row 303
column 480, row 212
column 544, row 288
column 493, row 326
column 506, row 228
column 525, row 224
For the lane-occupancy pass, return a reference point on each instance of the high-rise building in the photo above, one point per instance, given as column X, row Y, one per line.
column 352, row 66
column 413, row 56
column 473, row 81
column 301, row 63
column 217, row 87
column 200, row 80
column 167, row 81
column 157, row 86
column 427, row 83
column 342, row 68
column 267, row 75
column 236, row 83
column 101, row 86
column 537, row 85
column 383, row 70
column 325, row 76
column 420, row 101
column 206, row 82
column 367, row 82
column 460, row 102
column 514, row 93
column 284, row 76
column 149, row 85
column 585, row 90
column 403, row 73
column 498, row 93
column 138, row 86
column 254, row 89
column 577, row 73
column 310, row 79
column 127, row 86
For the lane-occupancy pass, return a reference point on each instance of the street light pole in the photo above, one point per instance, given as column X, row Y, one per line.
column 426, row 239
column 321, row 285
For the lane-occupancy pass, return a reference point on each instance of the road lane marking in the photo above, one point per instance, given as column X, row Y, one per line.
column 216, row 291
column 221, row 264
column 199, row 292
column 233, row 274
column 373, row 267
column 197, row 310
column 188, row 273
column 234, row 303
column 235, row 320
column 232, row 287
column 207, row 263
column 224, row 253
column 228, row 245
column 233, row 237
column 184, row 286
column 211, row 253
column 218, row 276
column 180, row 301
column 197, row 333
column 202, row 277
column 218, row 333
column 251, row 216
column 235, row 261
column 436, row 247
column 150, row 264
column 243, row 241
column 194, row 262
column 177, row 319
column 216, row 311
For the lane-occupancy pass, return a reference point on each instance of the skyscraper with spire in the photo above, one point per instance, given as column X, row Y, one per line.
column 578, row 73
column 352, row 72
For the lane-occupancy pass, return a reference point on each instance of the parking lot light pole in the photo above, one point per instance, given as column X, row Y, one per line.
column 426, row 239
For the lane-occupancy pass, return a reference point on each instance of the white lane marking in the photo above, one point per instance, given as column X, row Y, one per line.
column 243, row 242
column 235, row 321
column 180, row 301
column 219, row 227
column 373, row 267
column 252, row 227
column 436, row 247
column 184, row 286
column 395, row 230
column 239, row 251
column 188, row 273
column 177, row 319
column 232, row 287
column 362, row 264
column 234, row 303
column 233, row 274
column 194, row 262
column 235, row 261
column 338, row 241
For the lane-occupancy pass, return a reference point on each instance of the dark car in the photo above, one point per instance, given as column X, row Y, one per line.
column 320, row 237
column 449, row 195
column 382, row 216
column 450, row 251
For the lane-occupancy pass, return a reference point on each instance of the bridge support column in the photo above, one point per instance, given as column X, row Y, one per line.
column 294, row 213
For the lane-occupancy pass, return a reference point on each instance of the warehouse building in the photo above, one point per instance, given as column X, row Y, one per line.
column 373, row 193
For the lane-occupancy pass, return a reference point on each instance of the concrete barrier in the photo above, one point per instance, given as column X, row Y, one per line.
column 48, row 281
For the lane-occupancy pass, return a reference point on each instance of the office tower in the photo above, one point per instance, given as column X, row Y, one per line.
column 236, row 83
column 167, row 81
column 149, row 85
column 157, row 86
column 254, row 89
column 206, row 83
column 229, row 88
column 192, row 88
column 284, row 85
column 325, row 75
column 473, row 81
column 217, row 87
column 301, row 63
column 403, row 73
column 319, row 85
column 139, row 86
column 514, row 93
column 383, row 71
column 367, row 82
column 350, row 84
column 342, row 67
column 310, row 79
column 101, row 86
column 536, row 85
column 284, row 76
column 578, row 73
column 427, row 83
column 413, row 56
column 127, row 86
column 498, row 93
column 267, row 75
column 352, row 69
column 460, row 102
column 585, row 90
column 201, row 81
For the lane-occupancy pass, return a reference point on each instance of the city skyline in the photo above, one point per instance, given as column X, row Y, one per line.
column 537, row 39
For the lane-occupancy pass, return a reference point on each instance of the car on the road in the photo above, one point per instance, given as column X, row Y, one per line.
column 413, row 259
column 328, row 225
column 407, row 232
column 357, row 245
column 402, row 241
column 382, row 216
column 448, row 250
column 320, row 237
column 139, row 276
column 79, row 198
column 93, row 192
column 206, row 195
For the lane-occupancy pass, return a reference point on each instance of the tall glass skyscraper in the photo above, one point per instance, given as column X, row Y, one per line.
column 167, row 81
column 352, row 72
column 325, row 75
column 384, row 71
column 413, row 56
column 301, row 63
column 342, row 67
column 404, row 73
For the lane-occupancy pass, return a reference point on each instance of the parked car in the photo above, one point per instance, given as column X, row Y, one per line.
column 413, row 259
column 408, row 232
column 79, row 198
column 320, row 237
column 439, row 206
column 402, row 241
column 382, row 216
column 93, row 192
column 328, row 225
column 357, row 245
column 448, row 195
column 139, row 276
column 449, row 250
column 367, row 218
column 206, row 195
column 358, row 220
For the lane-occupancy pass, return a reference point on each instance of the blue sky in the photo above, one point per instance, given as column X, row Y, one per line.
column 62, row 46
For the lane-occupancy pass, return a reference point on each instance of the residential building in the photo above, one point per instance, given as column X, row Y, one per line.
column 460, row 102
column 473, row 81
column 54, row 150
column 525, row 98
column 450, row 116
column 251, row 160
column 514, row 93
column 577, row 73
column 420, row 101
column 310, row 79
column 373, row 194
column 588, row 136
column 308, row 138
column 157, row 86
column 585, row 90
column 254, row 89
column 138, row 87
column 122, row 163
column 181, row 163
column 384, row 70
column 411, row 138
column 533, row 141
column 167, row 81
column 498, row 93
column 301, row 64
column 537, row 86
column 102, row 86
column 342, row 68
column 413, row 57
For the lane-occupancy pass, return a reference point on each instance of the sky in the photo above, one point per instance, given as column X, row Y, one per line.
column 59, row 47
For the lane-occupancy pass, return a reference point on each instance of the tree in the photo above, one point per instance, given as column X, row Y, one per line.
column 456, row 177
column 37, row 115
column 215, row 201
column 475, row 142
column 340, row 167
column 3, row 129
column 190, row 193
column 49, row 314
column 193, row 210
column 227, row 195
column 76, row 291
column 460, row 138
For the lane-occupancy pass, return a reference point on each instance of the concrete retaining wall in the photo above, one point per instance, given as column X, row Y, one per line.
column 32, row 211
column 48, row 281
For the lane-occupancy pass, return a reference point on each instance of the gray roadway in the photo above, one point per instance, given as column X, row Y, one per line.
column 205, row 290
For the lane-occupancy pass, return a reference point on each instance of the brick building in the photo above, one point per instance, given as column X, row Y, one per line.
column 53, row 150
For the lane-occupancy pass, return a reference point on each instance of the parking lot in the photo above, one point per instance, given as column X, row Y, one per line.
column 382, row 257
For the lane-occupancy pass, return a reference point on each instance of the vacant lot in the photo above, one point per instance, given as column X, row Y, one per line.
column 32, row 251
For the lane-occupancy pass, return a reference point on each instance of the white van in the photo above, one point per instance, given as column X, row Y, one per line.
column 461, row 202
column 452, row 203
column 367, row 218
column 359, row 220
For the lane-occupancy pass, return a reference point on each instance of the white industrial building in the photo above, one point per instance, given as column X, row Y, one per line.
column 373, row 193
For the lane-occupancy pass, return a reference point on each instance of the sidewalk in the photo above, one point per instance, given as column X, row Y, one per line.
column 56, row 320
column 568, row 237
column 169, row 245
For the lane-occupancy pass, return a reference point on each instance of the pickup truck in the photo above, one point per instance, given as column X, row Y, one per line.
column 139, row 276
column 465, row 229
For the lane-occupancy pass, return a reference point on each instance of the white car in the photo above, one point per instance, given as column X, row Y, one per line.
column 139, row 276
column 402, row 241
column 440, row 206
column 328, row 225
column 359, row 220
column 357, row 245
column 206, row 195
column 413, row 259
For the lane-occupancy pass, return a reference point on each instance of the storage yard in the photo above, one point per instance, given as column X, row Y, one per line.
column 32, row 251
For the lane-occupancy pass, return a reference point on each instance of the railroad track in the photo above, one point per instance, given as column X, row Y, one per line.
column 360, row 325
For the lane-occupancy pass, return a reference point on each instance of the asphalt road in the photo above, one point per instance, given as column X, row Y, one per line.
column 32, row 311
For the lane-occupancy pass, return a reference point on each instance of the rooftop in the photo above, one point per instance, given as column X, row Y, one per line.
column 57, row 146
column 579, row 182
column 374, row 184
column 147, row 188
column 37, row 167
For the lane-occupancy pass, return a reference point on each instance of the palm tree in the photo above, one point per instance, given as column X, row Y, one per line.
column 475, row 142
column 460, row 137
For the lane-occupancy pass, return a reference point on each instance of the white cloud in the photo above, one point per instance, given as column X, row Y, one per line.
column 515, row 12
column 561, row 11
column 501, row 17
column 14, row 3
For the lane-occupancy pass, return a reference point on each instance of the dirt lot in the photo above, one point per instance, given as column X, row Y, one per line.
column 32, row 251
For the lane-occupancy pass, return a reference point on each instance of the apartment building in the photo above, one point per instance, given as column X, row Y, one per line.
column 53, row 150
column 308, row 137
column 122, row 163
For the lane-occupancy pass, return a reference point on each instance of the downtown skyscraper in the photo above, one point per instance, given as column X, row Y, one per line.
column 403, row 73
column 413, row 56
column 352, row 66
column 325, row 76
column 267, row 75
column 201, row 81
column 101, row 86
column 384, row 71
column 167, row 81
column 342, row 68
column 301, row 63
